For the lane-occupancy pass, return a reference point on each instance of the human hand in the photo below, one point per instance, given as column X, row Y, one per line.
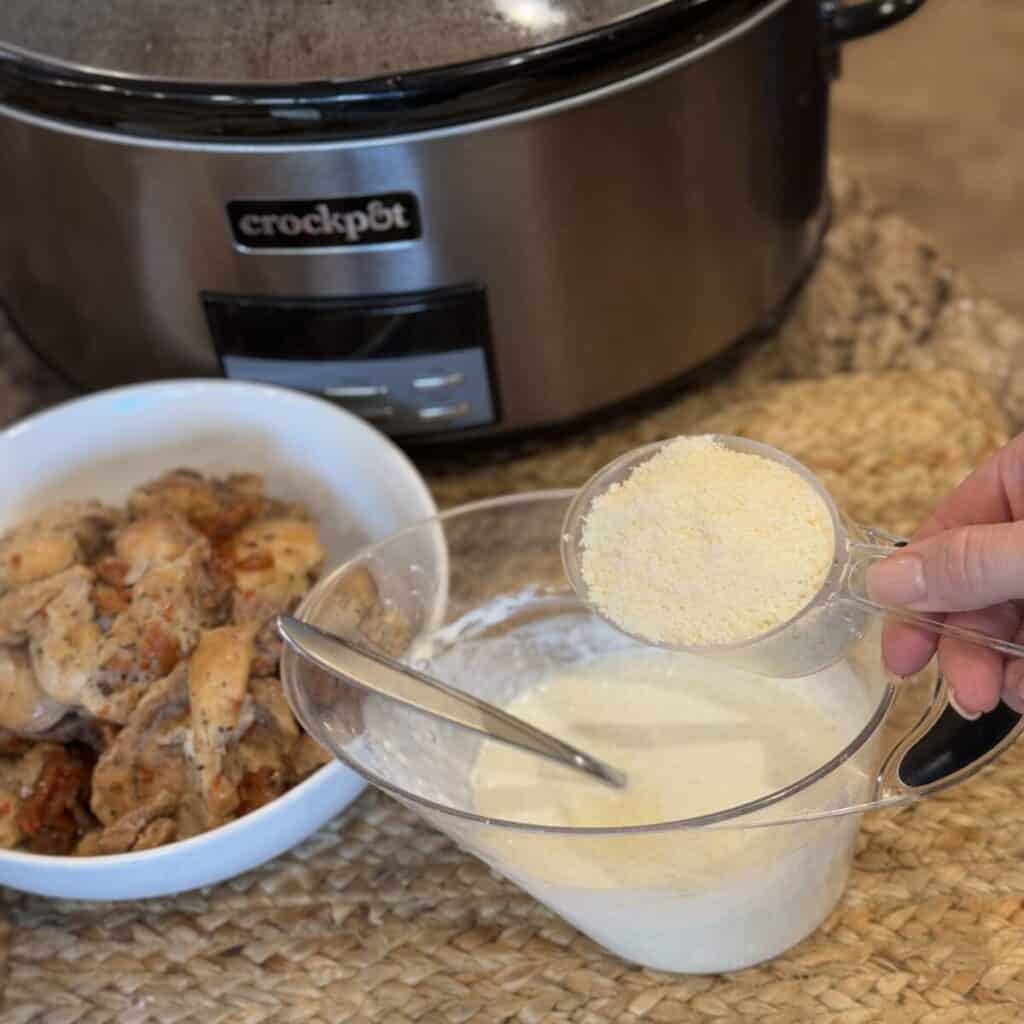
column 966, row 560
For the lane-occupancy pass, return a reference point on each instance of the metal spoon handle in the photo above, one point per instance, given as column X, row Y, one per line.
column 371, row 671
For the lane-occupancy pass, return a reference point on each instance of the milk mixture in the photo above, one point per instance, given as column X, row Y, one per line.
column 693, row 738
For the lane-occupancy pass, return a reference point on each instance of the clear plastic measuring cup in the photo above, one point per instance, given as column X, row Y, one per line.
column 487, row 609
column 820, row 633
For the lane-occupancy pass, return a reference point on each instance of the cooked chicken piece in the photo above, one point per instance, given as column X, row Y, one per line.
column 77, row 726
column 354, row 595
column 19, row 771
column 156, row 833
column 266, row 652
column 266, row 771
column 276, row 562
column 64, row 642
column 56, row 616
column 218, row 675
column 172, row 595
column 153, row 540
column 356, row 610
column 18, row 607
column 251, row 485
column 266, row 750
column 148, row 757
column 53, row 541
column 131, row 658
column 280, row 564
column 307, row 756
column 217, row 592
column 89, row 844
column 217, row 508
column 24, row 708
column 76, row 664
column 382, row 628
column 160, row 627
column 10, row 833
column 130, row 830
column 277, row 551
column 32, row 555
column 387, row 630
column 270, row 707
column 51, row 783
column 111, row 592
column 109, row 602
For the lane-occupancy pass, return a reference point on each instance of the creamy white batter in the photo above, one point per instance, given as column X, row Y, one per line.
column 693, row 738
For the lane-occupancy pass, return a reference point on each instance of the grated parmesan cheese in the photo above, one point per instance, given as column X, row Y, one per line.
column 702, row 545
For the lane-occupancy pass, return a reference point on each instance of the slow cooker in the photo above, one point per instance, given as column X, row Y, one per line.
column 457, row 219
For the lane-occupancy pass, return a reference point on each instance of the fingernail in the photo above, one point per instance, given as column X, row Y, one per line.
column 970, row 716
column 899, row 580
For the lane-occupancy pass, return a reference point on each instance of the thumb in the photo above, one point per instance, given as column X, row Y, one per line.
column 962, row 569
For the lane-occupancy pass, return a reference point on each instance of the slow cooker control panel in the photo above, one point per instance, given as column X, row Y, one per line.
column 415, row 363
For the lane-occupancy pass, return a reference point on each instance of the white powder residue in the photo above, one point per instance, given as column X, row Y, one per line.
column 702, row 545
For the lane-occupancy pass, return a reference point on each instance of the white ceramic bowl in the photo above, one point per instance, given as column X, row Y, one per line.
column 358, row 485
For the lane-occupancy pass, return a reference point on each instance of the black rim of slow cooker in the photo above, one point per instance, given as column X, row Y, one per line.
column 371, row 108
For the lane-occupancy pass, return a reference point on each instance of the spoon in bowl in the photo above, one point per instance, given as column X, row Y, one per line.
column 352, row 663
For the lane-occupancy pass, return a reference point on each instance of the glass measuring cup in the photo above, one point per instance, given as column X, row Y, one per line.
column 818, row 634
column 489, row 612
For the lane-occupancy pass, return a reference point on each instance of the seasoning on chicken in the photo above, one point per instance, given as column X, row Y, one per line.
column 266, row 750
column 218, row 675
column 147, row 759
column 276, row 561
column 160, row 626
column 19, row 607
column 64, row 641
column 54, row 541
column 216, row 508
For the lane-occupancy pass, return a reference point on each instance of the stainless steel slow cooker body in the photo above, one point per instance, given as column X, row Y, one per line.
column 544, row 235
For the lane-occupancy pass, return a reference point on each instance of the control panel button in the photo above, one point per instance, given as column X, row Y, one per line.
column 438, row 381
column 443, row 413
column 356, row 391
column 382, row 390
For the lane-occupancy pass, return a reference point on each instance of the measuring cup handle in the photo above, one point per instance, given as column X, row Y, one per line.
column 944, row 748
column 878, row 546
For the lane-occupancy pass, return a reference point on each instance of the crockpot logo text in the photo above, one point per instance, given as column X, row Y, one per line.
column 325, row 223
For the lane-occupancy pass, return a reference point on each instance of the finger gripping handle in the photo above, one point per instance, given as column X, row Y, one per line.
column 863, row 555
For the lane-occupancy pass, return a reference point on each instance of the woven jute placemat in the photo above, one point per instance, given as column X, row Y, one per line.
column 380, row 918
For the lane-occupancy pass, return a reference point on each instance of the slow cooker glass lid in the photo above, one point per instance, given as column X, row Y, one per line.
column 257, row 42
